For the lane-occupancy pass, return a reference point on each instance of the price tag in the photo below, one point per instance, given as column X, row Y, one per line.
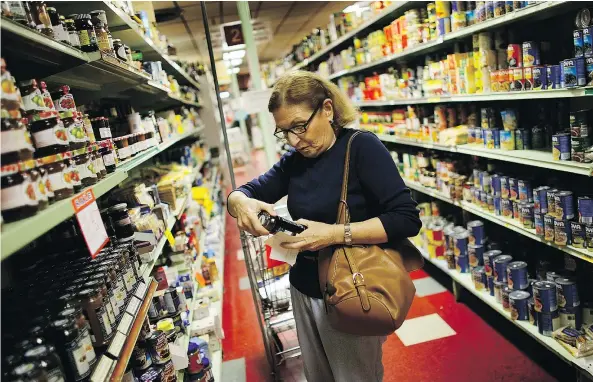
column 103, row 369
column 125, row 323
column 140, row 291
column 133, row 306
column 170, row 237
column 117, row 343
column 89, row 219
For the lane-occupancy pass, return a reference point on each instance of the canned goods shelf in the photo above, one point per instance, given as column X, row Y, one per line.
column 507, row 223
column 526, row 157
column 542, row 8
column 496, row 96
column 465, row 280
column 20, row 233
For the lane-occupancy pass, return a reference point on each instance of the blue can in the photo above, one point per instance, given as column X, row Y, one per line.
column 578, row 234
column 443, row 26
column 523, row 139
column 513, row 188
column 461, row 240
column 506, row 291
column 478, row 278
column 519, row 308
column 545, row 296
column 540, row 202
column 548, row 323
column 525, row 191
column 484, row 199
column 540, row 79
column 462, row 264
column 504, row 187
column 479, row 136
column 589, row 70
column 497, row 205
column 579, row 49
column 476, row 198
column 490, row 280
column 496, row 137
column 529, row 288
column 572, row 317
column 588, row 41
column 489, row 257
column 573, row 73
column 476, row 255
column 553, row 75
column 498, row 290
column 517, row 275
column 568, row 293
column 500, row 267
column 495, row 183
column 564, row 205
column 508, row 6
column 532, row 312
column 562, row 233
column 551, row 276
column 531, row 54
column 476, row 232
column 489, row 10
column 561, row 146
column 585, row 209
column 538, row 219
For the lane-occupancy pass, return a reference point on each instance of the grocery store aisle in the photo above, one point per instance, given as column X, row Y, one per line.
column 441, row 340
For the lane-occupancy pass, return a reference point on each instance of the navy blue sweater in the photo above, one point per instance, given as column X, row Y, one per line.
column 313, row 186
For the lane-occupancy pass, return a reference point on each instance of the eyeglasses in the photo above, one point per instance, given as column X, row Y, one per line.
column 298, row 129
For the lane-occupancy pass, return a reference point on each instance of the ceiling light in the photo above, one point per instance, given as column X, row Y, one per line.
column 224, row 95
column 356, row 7
column 235, row 70
column 236, row 62
column 233, row 55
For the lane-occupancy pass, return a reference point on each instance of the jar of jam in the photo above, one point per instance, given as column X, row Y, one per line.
column 76, row 132
column 95, row 313
column 122, row 269
column 95, row 283
column 49, row 103
column 59, row 187
column 108, row 159
column 46, row 357
column 101, row 128
column 86, row 33
column 122, row 224
column 102, row 36
column 98, row 164
column 49, row 136
column 132, row 144
column 15, row 141
column 124, row 151
column 18, row 198
column 34, row 102
column 110, row 278
column 86, row 170
column 150, row 141
column 88, row 127
column 72, row 175
column 75, row 314
column 142, row 143
column 120, row 49
column 41, row 18
column 66, row 337
column 10, row 100
column 39, row 187
column 30, row 372
column 72, row 33
column 46, row 184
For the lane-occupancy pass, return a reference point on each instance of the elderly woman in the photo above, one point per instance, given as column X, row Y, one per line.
column 313, row 116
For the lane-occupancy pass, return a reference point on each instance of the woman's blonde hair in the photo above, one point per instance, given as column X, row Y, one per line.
column 301, row 87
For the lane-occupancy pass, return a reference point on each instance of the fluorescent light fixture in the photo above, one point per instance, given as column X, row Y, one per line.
column 236, row 62
column 224, row 95
column 235, row 70
column 236, row 54
column 356, row 7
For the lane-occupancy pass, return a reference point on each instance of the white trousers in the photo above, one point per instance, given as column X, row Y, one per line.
column 329, row 355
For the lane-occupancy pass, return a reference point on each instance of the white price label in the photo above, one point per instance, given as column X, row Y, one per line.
column 140, row 291
column 133, row 306
column 89, row 219
column 103, row 369
column 125, row 323
column 117, row 343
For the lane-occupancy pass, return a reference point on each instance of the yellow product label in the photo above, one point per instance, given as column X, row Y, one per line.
column 170, row 237
column 84, row 37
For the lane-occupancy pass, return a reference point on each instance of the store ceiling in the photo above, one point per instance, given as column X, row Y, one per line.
column 287, row 21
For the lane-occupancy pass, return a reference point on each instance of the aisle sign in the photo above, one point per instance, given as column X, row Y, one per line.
column 90, row 222
column 233, row 34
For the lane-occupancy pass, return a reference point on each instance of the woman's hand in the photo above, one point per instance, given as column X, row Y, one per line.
column 246, row 211
column 317, row 236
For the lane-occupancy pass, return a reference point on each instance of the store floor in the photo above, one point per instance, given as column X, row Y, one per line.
column 441, row 340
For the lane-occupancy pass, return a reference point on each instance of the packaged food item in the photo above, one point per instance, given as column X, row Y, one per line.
column 86, row 33
column 15, row 141
column 573, row 72
column 18, row 197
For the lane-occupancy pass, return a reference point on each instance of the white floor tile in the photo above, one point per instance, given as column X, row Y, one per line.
column 423, row 329
column 244, row 283
column 234, row 370
column 427, row 286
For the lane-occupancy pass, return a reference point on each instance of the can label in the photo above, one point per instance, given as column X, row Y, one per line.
column 519, row 307
column 561, row 147
column 462, row 264
column 540, row 80
column 553, row 76
column 450, row 258
column 573, row 72
column 545, row 296
column 578, row 43
column 588, row 41
column 562, row 234
column 589, row 70
column 564, row 205
column 585, row 209
column 497, row 205
column 547, row 323
column 514, row 56
column 525, row 191
column 527, row 216
column 518, row 83
column 568, row 293
column 476, row 255
column 517, row 276
column 504, row 187
column 578, row 234
column 532, row 312
column 538, row 219
column 589, row 237
column 548, row 228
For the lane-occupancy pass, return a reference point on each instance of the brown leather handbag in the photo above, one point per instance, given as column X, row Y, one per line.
column 367, row 289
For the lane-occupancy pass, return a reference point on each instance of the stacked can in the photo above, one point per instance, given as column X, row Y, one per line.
column 569, row 303
column 580, row 137
column 436, row 240
column 546, row 307
column 476, row 243
column 460, row 250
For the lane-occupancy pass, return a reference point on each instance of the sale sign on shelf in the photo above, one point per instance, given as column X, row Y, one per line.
column 89, row 219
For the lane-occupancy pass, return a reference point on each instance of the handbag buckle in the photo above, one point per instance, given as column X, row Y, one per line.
column 354, row 275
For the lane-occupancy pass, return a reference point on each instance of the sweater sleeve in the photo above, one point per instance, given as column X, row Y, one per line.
column 273, row 185
column 378, row 175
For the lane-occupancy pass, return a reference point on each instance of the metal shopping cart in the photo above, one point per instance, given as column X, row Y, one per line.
column 270, row 289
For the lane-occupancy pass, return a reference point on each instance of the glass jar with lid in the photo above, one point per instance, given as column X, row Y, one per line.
column 60, row 32
column 66, row 338
column 46, row 357
column 49, row 136
column 72, row 32
column 98, row 283
column 18, row 197
column 34, row 102
column 75, row 128
column 101, row 128
column 75, row 314
column 133, row 144
column 55, row 176
column 99, row 165
column 86, row 170
column 94, row 311
column 15, row 141
column 41, row 18
column 45, row 184
column 122, row 223
column 86, row 33
column 108, row 158
column 119, row 289
column 30, row 372
column 39, row 187
column 72, row 176
column 110, row 277
column 124, row 151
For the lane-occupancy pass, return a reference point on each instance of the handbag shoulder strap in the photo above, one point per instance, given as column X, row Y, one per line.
column 343, row 211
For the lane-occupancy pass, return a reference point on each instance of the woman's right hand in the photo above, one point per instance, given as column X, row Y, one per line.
column 246, row 211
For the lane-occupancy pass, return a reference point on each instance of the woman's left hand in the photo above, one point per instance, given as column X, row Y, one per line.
column 317, row 236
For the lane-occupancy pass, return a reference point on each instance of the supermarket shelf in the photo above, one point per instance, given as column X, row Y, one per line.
column 184, row 101
column 18, row 234
column 465, row 280
column 500, row 220
column 541, row 9
column 217, row 355
column 132, row 337
column 498, row 96
column 535, row 158
column 384, row 14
